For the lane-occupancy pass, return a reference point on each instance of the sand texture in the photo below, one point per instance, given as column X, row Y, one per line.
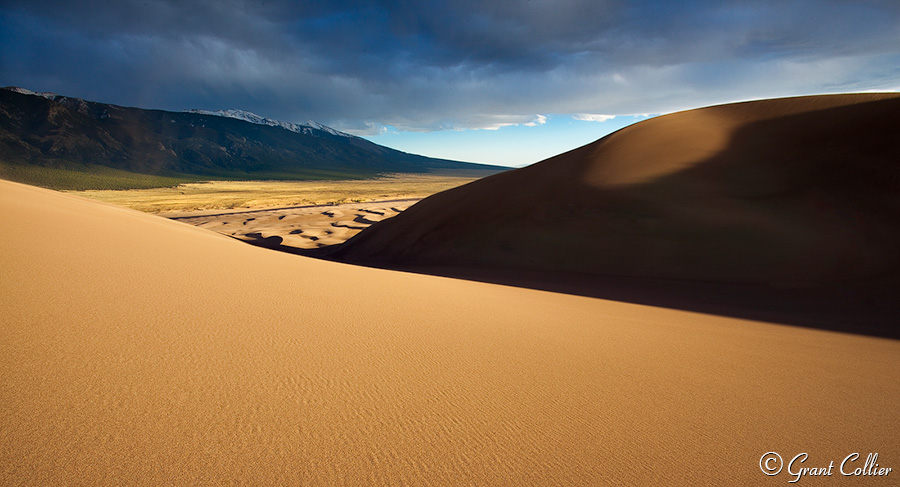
column 136, row 350
column 294, row 228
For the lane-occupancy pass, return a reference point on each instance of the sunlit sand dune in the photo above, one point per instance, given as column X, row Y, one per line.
column 136, row 350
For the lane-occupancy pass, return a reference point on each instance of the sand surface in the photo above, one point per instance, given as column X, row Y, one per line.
column 136, row 350
column 297, row 227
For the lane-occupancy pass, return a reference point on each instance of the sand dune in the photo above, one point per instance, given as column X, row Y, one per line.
column 136, row 350
column 797, row 193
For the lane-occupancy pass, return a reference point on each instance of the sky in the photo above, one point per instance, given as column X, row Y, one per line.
column 501, row 82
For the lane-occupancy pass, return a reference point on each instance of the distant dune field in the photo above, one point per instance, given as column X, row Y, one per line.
column 286, row 215
column 136, row 350
column 294, row 228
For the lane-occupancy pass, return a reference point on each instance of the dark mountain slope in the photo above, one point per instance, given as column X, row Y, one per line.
column 57, row 132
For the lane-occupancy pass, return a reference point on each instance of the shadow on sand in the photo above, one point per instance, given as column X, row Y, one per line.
column 864, row 308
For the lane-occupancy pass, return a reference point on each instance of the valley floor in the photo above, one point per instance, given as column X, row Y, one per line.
column 218, row 195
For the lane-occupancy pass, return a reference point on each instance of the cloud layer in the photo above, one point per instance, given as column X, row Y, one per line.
column 439, row 65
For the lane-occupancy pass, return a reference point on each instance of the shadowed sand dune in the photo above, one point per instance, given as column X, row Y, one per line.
column 135, row 350
column 790, row 208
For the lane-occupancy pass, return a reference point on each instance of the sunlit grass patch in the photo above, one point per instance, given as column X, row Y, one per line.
column 240, row 194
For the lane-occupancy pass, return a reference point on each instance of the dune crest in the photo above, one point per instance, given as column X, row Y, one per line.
column 677, row 141
column 666, row 144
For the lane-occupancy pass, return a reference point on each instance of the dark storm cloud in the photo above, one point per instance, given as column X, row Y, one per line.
column 425, row 65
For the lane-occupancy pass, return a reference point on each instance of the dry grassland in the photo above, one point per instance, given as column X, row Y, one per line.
column 254, row 194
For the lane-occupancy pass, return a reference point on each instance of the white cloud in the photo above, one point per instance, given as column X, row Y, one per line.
column 540, row 120
column 591, row 117
column 361, row 129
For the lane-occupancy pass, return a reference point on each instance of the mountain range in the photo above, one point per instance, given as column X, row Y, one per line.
column 47, row 138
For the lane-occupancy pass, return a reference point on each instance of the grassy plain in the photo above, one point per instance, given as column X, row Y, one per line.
column 254, row 194
column 86, row 176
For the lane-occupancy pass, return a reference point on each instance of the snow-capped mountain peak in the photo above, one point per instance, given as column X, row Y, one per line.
column 46, row 94
column 307, row 128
